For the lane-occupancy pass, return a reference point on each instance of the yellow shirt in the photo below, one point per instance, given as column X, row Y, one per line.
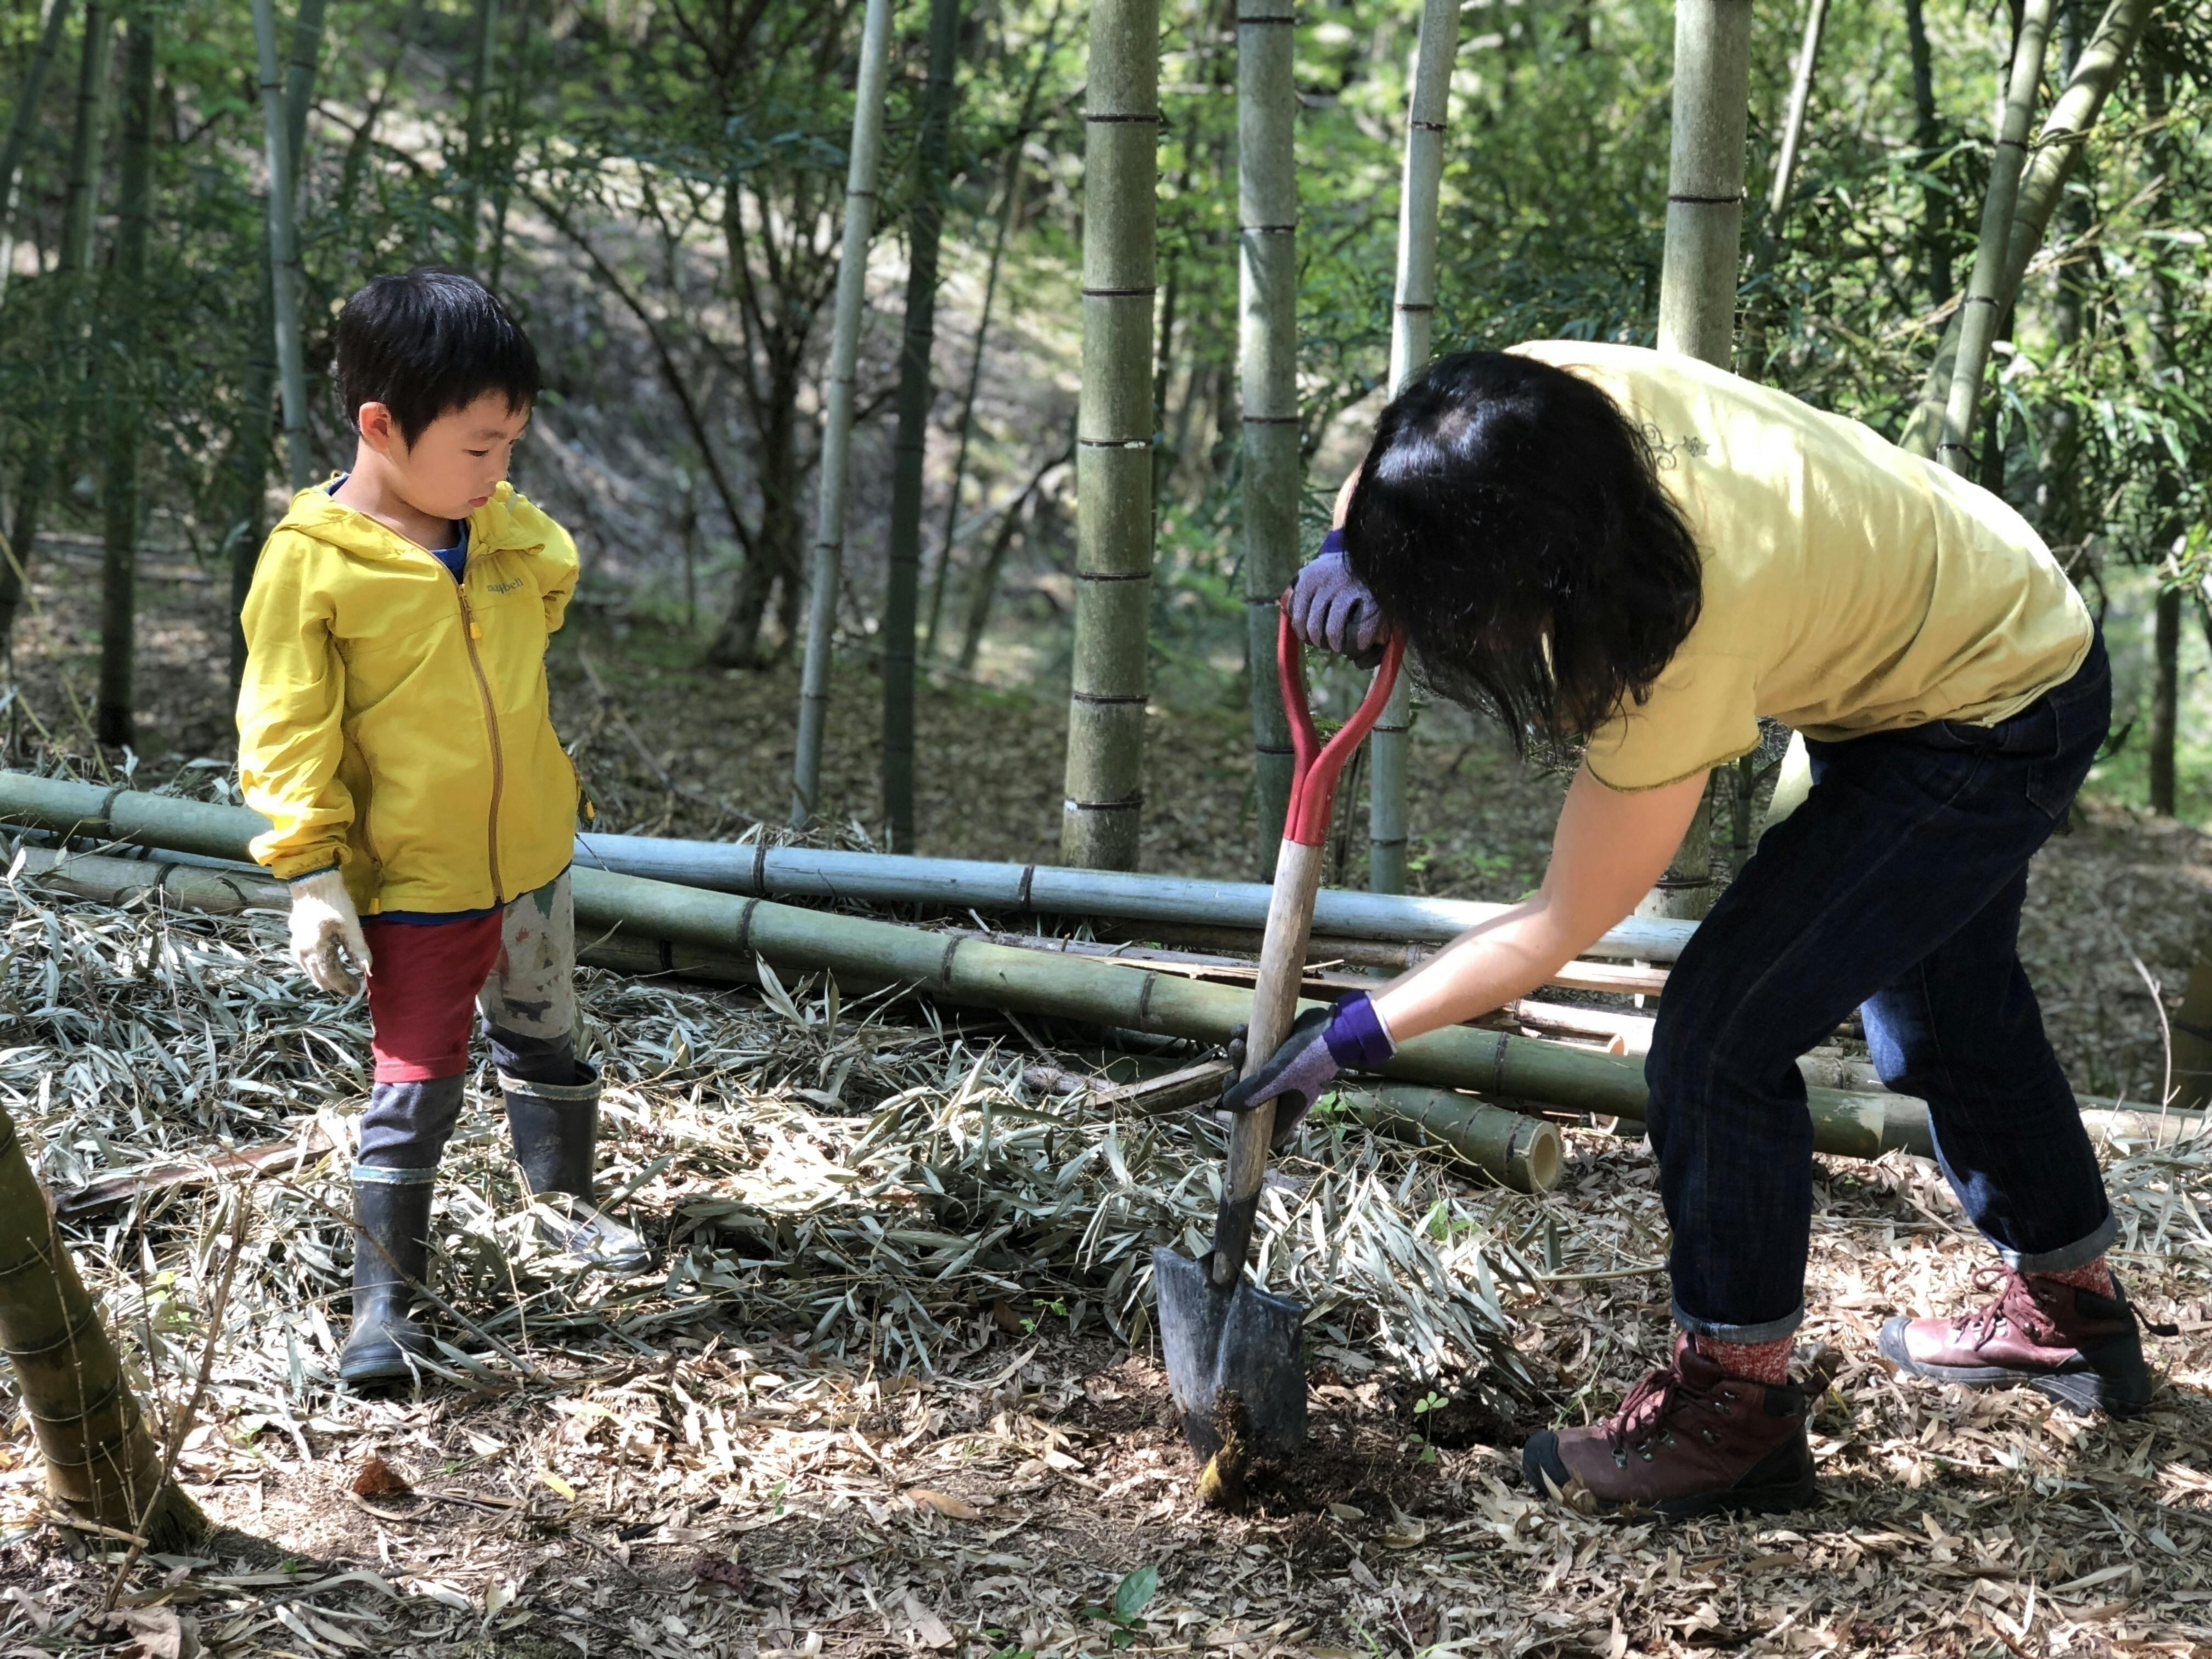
column 1849, row 587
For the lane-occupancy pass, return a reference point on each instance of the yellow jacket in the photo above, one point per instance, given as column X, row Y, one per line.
column 393, row 721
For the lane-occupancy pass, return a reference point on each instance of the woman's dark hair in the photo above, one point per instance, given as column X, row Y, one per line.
column 426, row 344
column 1510, row 524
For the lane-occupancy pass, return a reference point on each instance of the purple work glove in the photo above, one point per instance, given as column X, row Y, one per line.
column 1331, row 607
column 1323, row 1043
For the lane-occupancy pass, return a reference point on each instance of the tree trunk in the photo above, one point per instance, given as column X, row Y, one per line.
column 1935, row 205
column 2057, row 148
column 837, row 424
column 250, row 441
column 1010, row 196
column 1267, row 379
column 2057, row 500
column 101, row 1461
column 911, row 447
column 2166, row 381
column 121, row 399
column 1761, row 307
column 1412, row 313
column 26, row 122
column 1698, row 284
column 483, row 42
column 510, row 146
column 2165, row 695
column 1105, row 796
column 283, row 251
column 49, row 449
column 1987, row 295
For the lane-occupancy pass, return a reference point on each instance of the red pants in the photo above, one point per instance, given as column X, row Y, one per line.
column 422, row 994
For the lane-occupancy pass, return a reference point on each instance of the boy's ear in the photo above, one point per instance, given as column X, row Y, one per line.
column 378, row 429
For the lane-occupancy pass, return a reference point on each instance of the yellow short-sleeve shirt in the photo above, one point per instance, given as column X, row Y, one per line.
column 1849, row 587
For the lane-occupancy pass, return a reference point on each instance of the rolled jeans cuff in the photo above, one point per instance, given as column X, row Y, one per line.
column 1771, row 1330
column 2080, row 1254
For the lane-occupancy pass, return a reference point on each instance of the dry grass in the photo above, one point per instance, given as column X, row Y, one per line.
column 894, row 1390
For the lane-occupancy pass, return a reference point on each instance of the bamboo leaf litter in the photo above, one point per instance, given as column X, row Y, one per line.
column 807, row 1167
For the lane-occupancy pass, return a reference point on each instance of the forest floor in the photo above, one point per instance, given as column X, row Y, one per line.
column 834, row 1423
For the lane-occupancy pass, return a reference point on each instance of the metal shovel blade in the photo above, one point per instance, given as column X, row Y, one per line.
column 1242, row 1338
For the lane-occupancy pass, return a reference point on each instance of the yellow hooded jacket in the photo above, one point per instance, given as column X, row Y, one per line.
column 394, row 722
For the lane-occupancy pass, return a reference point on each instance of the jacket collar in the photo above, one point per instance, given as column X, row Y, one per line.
column 492, row 527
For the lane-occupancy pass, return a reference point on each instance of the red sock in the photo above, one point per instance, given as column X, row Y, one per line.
column 2089, row 1276
column 1754, row 1361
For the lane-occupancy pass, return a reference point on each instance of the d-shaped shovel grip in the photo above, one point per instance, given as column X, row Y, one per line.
column 1315, row 768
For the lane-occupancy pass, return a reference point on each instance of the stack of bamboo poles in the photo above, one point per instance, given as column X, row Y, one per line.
column 651, row 926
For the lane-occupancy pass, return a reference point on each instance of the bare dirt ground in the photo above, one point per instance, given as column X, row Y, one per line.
column 893, row 1390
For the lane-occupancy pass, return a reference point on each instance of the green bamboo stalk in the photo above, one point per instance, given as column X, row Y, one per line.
column 911, row 447
column 480, row 88
column 1698, row 284
column 284, row 251
column 2057, row 151
column 50, row 448
column 1986, row 299
column 25, row 123
column 122, row 399
column 1934, row 209
column 831, row 499
column 1524, row 1153
column 1413, row 318
column 102, row 1463
column 1104, row 791
column 1267, row 379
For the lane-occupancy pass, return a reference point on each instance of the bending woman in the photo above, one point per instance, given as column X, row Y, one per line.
column 1636, row 556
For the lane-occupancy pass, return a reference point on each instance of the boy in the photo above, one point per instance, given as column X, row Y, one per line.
column 1636, row 556
column 393, row 728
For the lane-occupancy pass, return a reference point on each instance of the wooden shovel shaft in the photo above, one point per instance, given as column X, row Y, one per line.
column 1275, row 1006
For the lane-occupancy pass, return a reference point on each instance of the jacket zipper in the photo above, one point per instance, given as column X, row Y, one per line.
column 471, row 634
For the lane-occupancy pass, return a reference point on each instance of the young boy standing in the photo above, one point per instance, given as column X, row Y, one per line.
column 393, row 728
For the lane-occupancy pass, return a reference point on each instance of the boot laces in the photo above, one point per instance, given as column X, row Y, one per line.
column 2000, row 1285
column 1649, row 1408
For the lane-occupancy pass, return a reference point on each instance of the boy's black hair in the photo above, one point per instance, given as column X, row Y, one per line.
column 1510, row 522
column 426, row 344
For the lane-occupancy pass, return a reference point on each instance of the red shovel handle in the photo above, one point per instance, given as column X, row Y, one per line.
column 1314, row 766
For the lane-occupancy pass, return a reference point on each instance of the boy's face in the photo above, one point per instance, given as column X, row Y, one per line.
column 452, row 468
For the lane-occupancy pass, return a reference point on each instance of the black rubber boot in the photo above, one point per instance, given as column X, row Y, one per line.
column 390, row 1246
column 555, row 1128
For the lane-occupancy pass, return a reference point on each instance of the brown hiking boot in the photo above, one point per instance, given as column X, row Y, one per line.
column 2084, row 1350
column 1688, row 1440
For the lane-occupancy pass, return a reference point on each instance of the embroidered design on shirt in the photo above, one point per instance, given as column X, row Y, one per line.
column 1666, row 452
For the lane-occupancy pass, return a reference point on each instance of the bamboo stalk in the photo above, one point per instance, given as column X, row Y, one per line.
column 1104, row 792
column 833, row 491
column 121, row 399
column 1267, row 381
column 1413, row 315
column 1523, row 1153
column 284, row 251
column 657, row 927
column 2056, row 150
column 1697, row 285
column 1986, row 299
column 102, row 1463
column 480, row 86
column 25, row 123
column 911, row 445
column 80, row 192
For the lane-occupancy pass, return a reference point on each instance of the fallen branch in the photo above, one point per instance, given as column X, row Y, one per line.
column 109, row 1191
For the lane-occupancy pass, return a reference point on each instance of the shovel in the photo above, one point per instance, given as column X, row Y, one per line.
column 1222, row 1335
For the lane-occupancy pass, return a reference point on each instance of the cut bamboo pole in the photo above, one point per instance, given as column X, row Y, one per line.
column 25, row 123
column 1698, row 284
column 2056, row 150
column 284, row 251
column 1105, row 793
column 122, row 399
column 911, row 447
column 833, row 491
column 657, row 927
column 1986, row 293
column 102, row 1463
column 1413, row 316
column 1267, row 381
column 1523, row 1153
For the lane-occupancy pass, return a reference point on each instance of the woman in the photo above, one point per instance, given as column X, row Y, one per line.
column 1638, row 556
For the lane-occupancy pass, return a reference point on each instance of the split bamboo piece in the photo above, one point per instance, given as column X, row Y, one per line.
column 101, row 1462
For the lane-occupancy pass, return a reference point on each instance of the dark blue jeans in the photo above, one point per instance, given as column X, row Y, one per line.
column 1895, row 890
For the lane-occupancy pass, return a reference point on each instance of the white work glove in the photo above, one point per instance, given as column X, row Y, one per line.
column 325, row 932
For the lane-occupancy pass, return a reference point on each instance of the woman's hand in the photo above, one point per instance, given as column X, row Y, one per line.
column 1609, row 848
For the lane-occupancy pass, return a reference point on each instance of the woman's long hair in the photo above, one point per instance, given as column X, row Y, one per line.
column 1510, row 522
